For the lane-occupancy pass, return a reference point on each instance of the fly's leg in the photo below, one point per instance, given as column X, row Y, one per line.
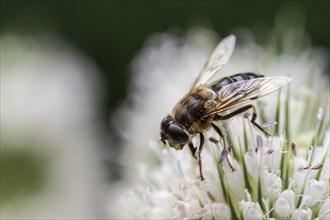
column 241, row 110
column 192, row 150
column 201, row 144
column 218, row 130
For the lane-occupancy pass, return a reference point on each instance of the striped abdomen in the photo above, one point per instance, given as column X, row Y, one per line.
column 217, row 85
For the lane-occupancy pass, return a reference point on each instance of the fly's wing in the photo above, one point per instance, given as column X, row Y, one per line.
column 218, row 58
column 242, row 92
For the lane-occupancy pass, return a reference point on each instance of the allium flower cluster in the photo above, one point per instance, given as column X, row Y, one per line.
column 284, row 176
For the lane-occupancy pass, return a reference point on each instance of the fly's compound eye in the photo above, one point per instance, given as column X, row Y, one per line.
column 177, row 134
column 174, row 132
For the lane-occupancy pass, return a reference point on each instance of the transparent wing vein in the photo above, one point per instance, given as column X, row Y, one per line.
column 244, row 91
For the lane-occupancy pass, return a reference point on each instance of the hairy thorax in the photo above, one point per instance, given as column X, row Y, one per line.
column 190, row 110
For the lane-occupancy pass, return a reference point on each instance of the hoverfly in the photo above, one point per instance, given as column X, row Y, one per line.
column 208, row 102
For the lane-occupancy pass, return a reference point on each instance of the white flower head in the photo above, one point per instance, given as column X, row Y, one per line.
column 262, row 177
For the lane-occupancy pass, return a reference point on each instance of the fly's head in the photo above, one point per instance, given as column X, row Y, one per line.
column 173, row 133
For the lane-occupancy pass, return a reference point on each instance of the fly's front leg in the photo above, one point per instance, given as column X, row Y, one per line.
column 240, row 111
column 201, row 144
column 192, row 150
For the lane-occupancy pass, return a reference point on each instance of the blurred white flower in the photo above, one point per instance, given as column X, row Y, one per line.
column 272, row 179
column 49, row 92
column 324, row 212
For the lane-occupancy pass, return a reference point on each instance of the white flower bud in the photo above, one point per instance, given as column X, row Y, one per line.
column 251, row 210
column 273, row 153
column 324, row 212
column 235, row 178
column 301, row 214
column 285, row 204
column 193, row 210
column 282, row 208
column 299, row 176
column 202, row 213
column 272, row 185
column 186, row 209
column 221, row 211
column 289, row 196
column 252, row 161
column 157, row 198
column 317, row 191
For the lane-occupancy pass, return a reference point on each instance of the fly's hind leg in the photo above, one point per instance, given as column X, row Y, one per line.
column 240, row 111
column 218, row 130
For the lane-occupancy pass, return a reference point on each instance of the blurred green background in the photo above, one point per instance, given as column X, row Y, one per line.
column 111, row 33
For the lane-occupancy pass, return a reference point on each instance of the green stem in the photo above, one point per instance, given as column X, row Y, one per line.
column 285, row 158
column 277, row 114
column 318, row 175
column 225, row 192
column 246, row 142
column 260, row 194
column 247, row 182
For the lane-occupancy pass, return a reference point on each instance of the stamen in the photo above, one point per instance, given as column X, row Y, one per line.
column 317, row 166
column 223, row 155
column 247, row 115
column 301, row 168
column 293, row 149
column 269, row 124
column 271, row 150
column 211, row 197
column 213, row 140
column 259, row 143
